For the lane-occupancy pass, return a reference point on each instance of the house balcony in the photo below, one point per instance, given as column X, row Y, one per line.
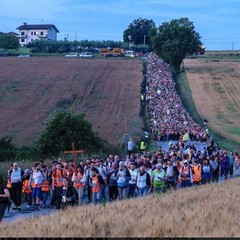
column 42, row 36
column 22, row 36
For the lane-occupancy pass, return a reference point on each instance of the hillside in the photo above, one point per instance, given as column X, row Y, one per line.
column 215, row 87
column 206, row 211
column 107, row 91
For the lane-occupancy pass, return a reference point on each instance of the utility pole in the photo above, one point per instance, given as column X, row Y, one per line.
column 232, row 45
column 75, row 35
column 129, row 39
column 144, row 39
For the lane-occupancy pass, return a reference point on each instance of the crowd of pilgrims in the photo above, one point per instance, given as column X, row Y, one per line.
column 168, row 117
column 99, row 181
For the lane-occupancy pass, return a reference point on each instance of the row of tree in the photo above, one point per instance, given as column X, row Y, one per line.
column 50, row 46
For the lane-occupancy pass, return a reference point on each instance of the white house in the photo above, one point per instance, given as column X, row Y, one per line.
column 31, row 32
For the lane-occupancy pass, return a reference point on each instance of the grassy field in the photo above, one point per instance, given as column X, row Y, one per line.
column 107, row 91
column 209, row 211
column 209, row 89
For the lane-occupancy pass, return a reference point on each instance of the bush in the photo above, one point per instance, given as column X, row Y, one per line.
column 63, row 129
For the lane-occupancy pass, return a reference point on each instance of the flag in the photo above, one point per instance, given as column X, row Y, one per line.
column 186, row 137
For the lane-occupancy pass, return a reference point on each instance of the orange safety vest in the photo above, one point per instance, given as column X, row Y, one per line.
column 25, row 187
column 45, row 186
column 95, row 184
column 197, row 176
column 77, row 182
column 58, row 177
column 69, row 174
column 9, row 184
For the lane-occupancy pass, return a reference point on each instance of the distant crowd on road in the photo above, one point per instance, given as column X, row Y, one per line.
column 168, row 117
column 105, row 180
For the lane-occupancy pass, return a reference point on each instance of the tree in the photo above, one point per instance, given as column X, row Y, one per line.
column 174, row 40
column 8, row 41
column 139, row 31
column 7, row 149
column 63, row 129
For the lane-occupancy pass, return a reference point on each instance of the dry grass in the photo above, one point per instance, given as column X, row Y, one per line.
column 210, row 211
column 215, row 90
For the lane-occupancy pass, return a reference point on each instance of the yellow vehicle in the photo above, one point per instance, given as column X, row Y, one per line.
column 112, row 52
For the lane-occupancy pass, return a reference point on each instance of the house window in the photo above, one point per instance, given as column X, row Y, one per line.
column 41, row 33
column 31, row 33
column 22, row 33
column 22, row 40
column 35, row 33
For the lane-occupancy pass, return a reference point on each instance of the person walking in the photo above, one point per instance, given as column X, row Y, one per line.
column 130, row 147
column 113, row 186
column 79, row 180
column 172, row 174
column 132, row 183
column 197, row 172
column 216, row 168
column 45, row 186
column 26, row 188
column 207, row 172
column 57, row 183
column 4, row 198
column 143, row 182
column 185, row 175
column 16, row 176
column 36, row 181
column 96, row 182
column 123, row 177
column 225, row 165
column 159, row 177
column 67, row 194
column 231, row 163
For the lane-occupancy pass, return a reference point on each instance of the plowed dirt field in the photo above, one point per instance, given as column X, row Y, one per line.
column 215, row 86
column 107, row 91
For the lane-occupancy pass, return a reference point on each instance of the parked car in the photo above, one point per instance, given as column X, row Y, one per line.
column 130, row 53
column 86, row 55
column 24, row 56
column 72, row 55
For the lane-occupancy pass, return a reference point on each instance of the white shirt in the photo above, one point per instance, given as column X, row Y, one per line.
column 133, row 174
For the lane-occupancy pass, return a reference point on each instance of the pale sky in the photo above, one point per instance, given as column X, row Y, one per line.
column 217, row 21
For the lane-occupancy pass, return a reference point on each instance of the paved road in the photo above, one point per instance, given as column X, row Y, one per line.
column 13, row 215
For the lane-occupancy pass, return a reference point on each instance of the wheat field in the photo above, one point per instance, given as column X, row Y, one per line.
column 207, row 211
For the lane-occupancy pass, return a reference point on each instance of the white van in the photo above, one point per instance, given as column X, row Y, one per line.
column 130, row 53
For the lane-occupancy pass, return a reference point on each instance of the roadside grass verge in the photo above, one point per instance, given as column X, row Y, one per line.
column 184, row 91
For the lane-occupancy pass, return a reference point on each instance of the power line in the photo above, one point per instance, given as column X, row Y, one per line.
column 88, row 34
